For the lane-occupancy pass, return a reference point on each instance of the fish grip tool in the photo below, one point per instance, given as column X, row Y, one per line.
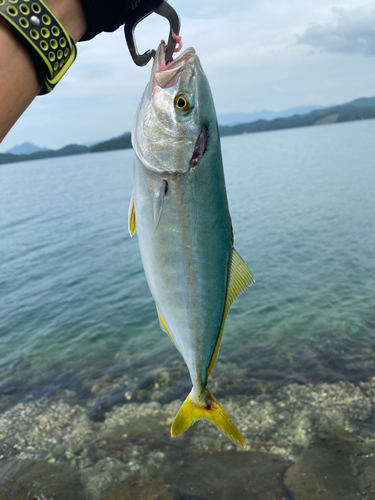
column 143, row 10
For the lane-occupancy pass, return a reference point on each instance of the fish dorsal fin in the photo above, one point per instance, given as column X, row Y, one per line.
column 132, row 227
column 240, row 277
column 158, row 204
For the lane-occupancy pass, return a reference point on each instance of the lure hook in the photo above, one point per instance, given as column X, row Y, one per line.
column 143, row 10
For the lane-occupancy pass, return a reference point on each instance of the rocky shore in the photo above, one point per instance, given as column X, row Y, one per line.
column 304, row 442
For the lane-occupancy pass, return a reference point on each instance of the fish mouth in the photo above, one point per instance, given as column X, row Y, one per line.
column 200, row 147
column 166, row 75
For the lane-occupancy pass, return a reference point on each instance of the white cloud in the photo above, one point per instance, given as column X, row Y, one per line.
column 351, row 32
column 247, row 48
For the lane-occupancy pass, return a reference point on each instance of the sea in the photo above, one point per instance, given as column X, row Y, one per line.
column 74, row 301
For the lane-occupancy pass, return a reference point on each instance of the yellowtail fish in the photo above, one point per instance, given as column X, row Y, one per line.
column 179, row 209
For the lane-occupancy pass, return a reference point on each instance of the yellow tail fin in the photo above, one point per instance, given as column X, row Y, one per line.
column 190, row 413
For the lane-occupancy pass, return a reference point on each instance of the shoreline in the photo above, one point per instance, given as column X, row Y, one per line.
column 331, row 116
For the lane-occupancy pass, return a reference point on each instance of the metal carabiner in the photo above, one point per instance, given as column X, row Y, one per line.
column 144, row 9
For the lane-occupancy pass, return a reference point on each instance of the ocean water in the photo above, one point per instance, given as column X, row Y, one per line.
column 74, row 302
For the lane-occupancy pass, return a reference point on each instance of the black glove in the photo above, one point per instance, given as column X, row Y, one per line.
column 108, row 15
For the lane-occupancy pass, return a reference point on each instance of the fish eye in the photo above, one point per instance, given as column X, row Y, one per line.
column 183, row 103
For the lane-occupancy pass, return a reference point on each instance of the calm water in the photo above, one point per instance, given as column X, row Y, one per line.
column 74, row 299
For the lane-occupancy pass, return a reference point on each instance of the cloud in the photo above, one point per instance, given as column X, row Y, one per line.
column 352, row 32
column 210, row 10
column 248, row 51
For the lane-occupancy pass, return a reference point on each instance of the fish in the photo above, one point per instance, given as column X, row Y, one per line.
column 179, row 210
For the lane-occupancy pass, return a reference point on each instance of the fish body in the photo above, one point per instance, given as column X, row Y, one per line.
column 180, row 211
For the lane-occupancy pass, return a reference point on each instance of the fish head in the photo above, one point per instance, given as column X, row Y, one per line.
column 172, row 123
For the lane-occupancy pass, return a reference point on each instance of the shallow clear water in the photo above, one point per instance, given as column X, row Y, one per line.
column 74, row 299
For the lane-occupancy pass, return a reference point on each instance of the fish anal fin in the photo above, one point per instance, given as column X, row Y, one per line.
column 191, row 412
column 132, row 227
column 163, row 326
column 239, row 278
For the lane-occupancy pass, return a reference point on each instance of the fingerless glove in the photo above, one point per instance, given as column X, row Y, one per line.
column 108, row 15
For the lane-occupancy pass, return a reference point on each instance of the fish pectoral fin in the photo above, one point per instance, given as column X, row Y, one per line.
column 158, row 203
column 132, row 227
column 240, row 278
column 190, row 413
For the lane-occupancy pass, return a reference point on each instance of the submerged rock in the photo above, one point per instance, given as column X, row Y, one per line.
column 34, row 429
column 229, row 475
column 335, row 466
column 27, row 479
column 131, row 437
column 105, row 403
column 140, row 488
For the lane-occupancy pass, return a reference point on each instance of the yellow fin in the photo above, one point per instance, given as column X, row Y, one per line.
column 240, row 277
column 163, row 326
column 132, row 227
column 190, row 413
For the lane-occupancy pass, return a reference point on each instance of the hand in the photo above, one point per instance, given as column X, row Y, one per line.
column 19, row 83
column 107, row 15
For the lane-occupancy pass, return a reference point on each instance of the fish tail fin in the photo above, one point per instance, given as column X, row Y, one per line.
column 191, row 412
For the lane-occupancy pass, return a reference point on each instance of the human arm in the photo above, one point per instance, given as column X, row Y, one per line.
column 19, row 83
column 83, row 20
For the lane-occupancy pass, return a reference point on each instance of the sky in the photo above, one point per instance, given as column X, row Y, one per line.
column 257, row 54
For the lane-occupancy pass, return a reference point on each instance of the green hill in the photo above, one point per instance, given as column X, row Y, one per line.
column 362, row 102
column 122, row 142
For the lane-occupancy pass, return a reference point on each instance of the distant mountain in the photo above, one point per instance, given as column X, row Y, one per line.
column 90, row 143
column 362, row 102
column 359, row 109
column 335, row 114
column 25, row 149
column 121, row 142
column 264, row 114
column 71, row 149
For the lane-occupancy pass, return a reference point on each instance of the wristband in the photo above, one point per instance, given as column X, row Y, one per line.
column 38, row 29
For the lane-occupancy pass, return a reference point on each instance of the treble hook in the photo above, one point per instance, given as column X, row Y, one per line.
column 144, row 9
